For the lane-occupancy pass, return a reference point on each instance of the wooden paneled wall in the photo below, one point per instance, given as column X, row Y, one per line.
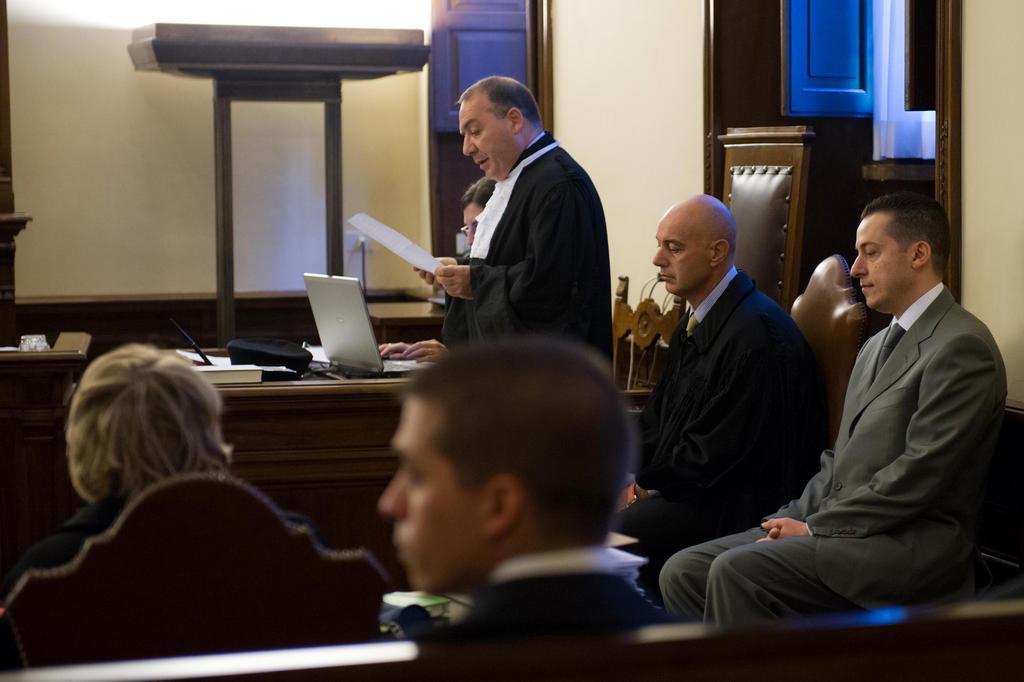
column 743, row 87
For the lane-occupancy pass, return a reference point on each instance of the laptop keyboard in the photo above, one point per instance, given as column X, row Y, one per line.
column 401, row 365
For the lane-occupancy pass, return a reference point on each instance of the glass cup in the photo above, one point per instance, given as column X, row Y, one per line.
column 33, row 343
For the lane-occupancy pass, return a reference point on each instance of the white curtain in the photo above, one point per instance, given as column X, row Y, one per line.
column 899, row 134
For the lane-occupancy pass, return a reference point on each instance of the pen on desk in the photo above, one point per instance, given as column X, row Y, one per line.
column 191, row 341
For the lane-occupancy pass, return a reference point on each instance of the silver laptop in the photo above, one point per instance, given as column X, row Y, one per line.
column 343, row 322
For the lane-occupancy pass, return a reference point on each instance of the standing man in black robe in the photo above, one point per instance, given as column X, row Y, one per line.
column 539, row 261
column 734, row 427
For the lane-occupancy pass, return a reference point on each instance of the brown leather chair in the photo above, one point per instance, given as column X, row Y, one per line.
column 833, row 322
column 196, row 564
column 640, row 338
column 765, row 187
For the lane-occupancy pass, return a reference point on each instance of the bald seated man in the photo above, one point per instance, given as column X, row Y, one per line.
column 734, row 427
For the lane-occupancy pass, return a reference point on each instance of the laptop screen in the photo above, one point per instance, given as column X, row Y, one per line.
column 343, row 322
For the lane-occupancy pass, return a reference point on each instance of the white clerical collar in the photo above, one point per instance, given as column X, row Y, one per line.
column 917, row 308
column 715, row 294
column 489, row 218
column 592, row 559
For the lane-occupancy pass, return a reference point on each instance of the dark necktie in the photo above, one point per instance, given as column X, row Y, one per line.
column 892, row 337
column 691, row 324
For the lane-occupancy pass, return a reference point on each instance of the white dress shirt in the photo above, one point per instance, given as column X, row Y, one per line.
column 593, row 559
column 702, row 310
column 917, row 308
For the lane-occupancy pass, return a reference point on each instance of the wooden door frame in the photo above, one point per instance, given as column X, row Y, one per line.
column 949, row 131
column 948, row 124
column 540, row 58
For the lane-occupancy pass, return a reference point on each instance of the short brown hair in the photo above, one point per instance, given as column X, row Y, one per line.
column 478, row 193
column 544, row 410
column 140, row 415
column 915, row 217
column 506, row 93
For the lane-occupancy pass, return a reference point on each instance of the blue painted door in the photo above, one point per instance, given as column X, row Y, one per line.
column 828, row 62
column 470, row 40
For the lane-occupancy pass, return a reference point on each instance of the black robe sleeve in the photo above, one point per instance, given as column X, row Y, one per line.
column 689, row 448
column 541, row 292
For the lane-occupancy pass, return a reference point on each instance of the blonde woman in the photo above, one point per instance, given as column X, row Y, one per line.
column 139, row 415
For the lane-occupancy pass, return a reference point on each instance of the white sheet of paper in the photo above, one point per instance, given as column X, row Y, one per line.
column 318, row 353
column 621, row 560
column 394, row 241
column 217, row 360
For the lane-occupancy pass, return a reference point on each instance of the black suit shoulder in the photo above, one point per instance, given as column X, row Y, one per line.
column 555, row 165
column 553, row 605
column 65, row 543
column 758, row 321
column 554, row 175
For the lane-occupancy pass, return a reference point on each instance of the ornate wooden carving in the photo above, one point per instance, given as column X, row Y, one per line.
column 640, row 338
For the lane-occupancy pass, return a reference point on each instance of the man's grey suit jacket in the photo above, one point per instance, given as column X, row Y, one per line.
column 895, row 503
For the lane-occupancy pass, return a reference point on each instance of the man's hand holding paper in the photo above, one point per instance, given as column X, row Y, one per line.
column 455, row 280
column 429, row 276
column 453, row 277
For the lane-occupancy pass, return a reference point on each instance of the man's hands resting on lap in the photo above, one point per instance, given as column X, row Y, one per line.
column 781, row 528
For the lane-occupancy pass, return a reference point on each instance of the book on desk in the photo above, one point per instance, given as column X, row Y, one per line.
column 221, row 372
column 231, row 374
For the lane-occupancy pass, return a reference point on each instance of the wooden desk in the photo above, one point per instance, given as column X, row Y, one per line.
column 35, row 493
column 321, row 448
column 408, row 322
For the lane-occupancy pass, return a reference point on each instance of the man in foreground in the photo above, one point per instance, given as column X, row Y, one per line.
column 735, row 425
column 511, row 459
column 890, row 516
column 539, row 260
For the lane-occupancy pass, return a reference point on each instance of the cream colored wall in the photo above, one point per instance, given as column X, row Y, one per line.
column 628, row 106
column 116, row 167
column 993, row 220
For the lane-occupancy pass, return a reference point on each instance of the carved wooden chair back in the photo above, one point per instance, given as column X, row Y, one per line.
column 833, row 322
column 766, row 171
column 641, row 337
column 196, row 564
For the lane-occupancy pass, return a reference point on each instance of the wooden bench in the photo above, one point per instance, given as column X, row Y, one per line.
column 978, row 641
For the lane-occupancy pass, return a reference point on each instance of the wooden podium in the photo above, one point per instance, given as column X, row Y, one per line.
column 274, row 64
